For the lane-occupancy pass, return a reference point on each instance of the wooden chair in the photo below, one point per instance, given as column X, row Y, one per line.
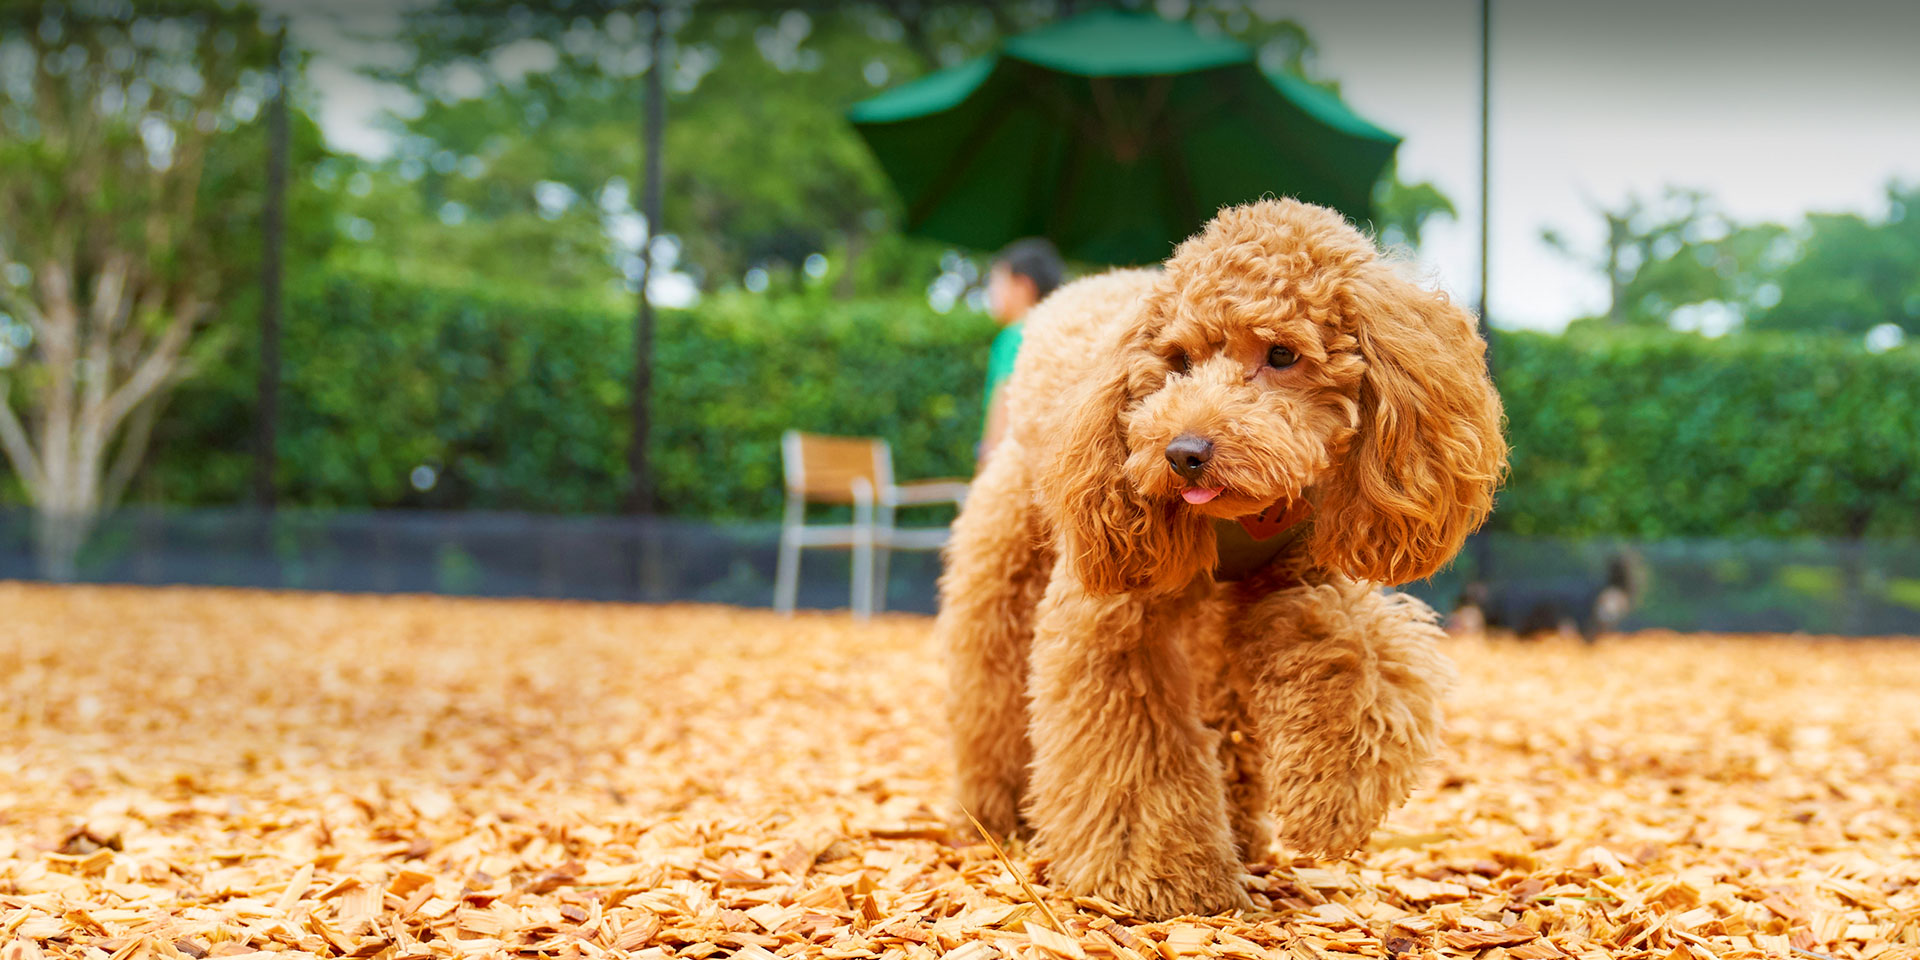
column 856, row 471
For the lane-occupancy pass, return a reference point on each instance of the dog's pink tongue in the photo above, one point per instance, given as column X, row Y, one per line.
column 1199, row 495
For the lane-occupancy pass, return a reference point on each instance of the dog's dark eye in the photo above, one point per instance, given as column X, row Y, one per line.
column 1281, row 358
column 1180, row 362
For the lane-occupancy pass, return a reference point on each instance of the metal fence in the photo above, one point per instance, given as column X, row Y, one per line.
column 1823, row 587
column 634, row 559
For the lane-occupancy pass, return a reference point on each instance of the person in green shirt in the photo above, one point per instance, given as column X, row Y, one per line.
column 1022, row 276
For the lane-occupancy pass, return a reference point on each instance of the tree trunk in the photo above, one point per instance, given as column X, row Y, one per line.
column 847, row 287
column 83, row 409
column 57, row 538
column 1853, row 574
column 1616, row 280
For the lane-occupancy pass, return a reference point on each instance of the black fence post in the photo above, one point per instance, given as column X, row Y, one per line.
column 1482, row 547
column 647, row 572
column 273, row 224
column 272, row 246
column 640, row 490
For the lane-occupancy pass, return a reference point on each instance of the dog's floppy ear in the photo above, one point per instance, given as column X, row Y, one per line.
column 1420, row 472
column 1115, row 540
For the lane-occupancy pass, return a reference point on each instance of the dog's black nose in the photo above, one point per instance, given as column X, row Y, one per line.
column 1189, row 455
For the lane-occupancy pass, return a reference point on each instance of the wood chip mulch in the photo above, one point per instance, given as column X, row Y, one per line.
column 198, row 773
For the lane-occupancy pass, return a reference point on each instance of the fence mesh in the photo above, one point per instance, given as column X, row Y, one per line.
column 1815, row 586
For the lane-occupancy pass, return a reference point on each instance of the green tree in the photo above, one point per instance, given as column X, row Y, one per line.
column 1402, row 210
column 130, row 163
column 1852, row 273
column 1835, row 273
column 527, row 148
column 523, row 154
column 1660, row 257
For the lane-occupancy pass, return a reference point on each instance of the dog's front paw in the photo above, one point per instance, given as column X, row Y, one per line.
column 1333, row 823
column 1347, row 707
column 1329, row 796
column 1164, row 897
column 1159, row 890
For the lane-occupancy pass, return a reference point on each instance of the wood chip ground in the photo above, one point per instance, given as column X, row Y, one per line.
column 195, row 773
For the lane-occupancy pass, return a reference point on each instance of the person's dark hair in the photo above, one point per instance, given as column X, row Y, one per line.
column 1036, row 259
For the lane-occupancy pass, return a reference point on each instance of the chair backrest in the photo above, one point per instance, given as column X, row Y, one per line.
column 822, row 468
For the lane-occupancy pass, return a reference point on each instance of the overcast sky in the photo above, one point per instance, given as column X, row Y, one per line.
column 1776, row 108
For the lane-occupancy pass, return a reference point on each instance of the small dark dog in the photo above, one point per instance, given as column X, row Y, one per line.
column 1565, row 605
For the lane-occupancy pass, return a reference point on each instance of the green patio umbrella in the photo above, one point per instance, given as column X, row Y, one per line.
column 1116, row 134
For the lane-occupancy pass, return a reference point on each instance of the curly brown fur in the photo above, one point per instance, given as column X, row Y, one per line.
column 1348, row 682
column 1160, row 842
column 1165, row 712
column 986, row 627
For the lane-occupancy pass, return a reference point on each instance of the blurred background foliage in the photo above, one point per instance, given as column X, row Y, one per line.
column 515, row 402
column 460, row 312
column 1651, row 434
column 524, row 151
column 1679, row 262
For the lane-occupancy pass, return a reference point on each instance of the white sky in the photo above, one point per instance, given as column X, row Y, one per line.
column 1775, row 108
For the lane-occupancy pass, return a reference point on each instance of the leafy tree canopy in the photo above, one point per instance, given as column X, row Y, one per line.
column 1852, row 273
column 131, row 161
column 523, row 158
column 1680, row 261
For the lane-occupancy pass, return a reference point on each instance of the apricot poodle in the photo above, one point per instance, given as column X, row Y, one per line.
column 1162, row 608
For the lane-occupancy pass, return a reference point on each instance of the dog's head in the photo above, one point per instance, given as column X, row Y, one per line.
column 1278, row 358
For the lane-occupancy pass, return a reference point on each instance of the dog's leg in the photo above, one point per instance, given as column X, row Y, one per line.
column 1126, row 796
column 1248, row 802
column 994, row 576
column 1223, row 707
column 1346, row 684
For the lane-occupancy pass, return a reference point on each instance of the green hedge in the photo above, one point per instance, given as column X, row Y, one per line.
column 521, row 405
column 1653, row 434
column 741, row 369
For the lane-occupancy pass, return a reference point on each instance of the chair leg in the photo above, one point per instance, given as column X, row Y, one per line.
column 862, row 550
column 882, row 553
column 786, row 581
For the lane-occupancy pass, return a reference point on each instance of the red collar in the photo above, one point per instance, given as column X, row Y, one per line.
column 1279, row 516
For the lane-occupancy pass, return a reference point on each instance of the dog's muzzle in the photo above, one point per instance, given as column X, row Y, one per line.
column 1189, row 455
